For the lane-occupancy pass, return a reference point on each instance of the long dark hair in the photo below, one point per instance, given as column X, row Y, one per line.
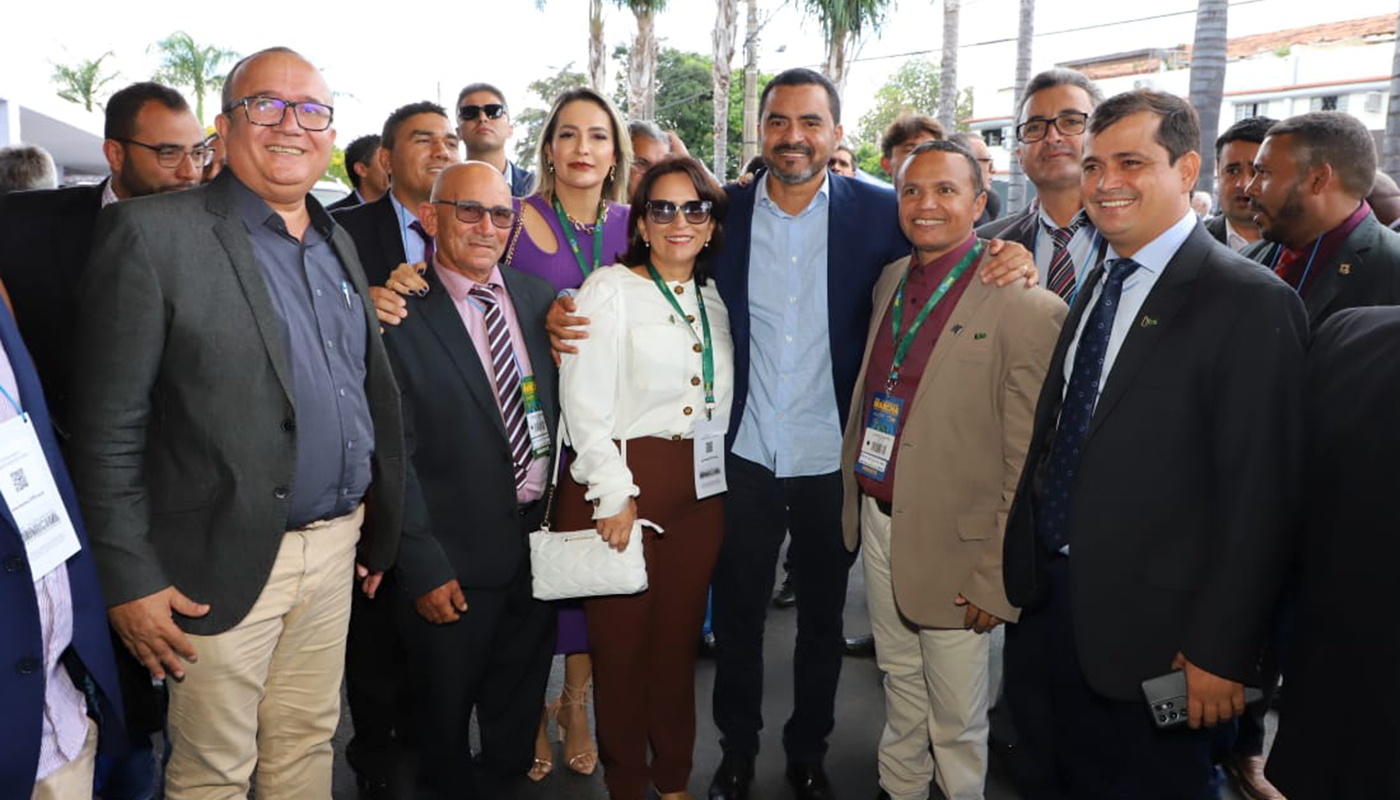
column 706, row 187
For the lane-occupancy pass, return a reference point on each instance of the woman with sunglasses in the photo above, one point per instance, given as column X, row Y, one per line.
column 646, row 404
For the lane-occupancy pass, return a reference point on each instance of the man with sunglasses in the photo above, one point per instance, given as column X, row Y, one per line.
column 1050, row 140
column 236, row 402
column 480, row 404
column 483, row 123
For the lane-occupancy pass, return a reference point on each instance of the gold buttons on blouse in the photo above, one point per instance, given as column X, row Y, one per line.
column 698, row 348
column 675, row 437
column 687, row 411
column 679, row 290
column 695, row 381
column 690, row 318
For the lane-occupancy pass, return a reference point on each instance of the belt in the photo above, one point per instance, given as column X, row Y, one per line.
column 885, row 506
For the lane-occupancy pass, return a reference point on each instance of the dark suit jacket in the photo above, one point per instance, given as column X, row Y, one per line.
column 863, row 236
column 348, row 201
column 522, row 182
column 1180, row 511
column 21, row 643
column 1341, row 668
column 45, row 238
column 184, row 425
column 461, row 520
column 1019, row 228
column 1215, row 226
column 1364, row 272
column 374, row 227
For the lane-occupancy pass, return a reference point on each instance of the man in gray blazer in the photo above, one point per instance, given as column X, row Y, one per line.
column 234, row 405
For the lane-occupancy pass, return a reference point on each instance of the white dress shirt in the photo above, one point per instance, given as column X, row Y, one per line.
column 638, row 374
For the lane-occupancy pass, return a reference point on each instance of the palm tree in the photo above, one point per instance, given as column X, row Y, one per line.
column 1208, row 81
column 750, row 148
column 183, row 62
column 1391, row 151
column 948, row 70
column 80, row 83
column 641, row 80
column 843, row 22
column 597, row 64
column 726, row 22
column 1025, row 37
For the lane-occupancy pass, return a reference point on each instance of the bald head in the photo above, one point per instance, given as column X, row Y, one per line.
column 1385, row 199
column 461, row 192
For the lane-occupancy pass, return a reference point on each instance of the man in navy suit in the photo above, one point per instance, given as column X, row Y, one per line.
column 60, row 699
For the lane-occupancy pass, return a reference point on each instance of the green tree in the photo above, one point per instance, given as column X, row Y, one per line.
column 335, row 171
column 642, row 78
column 184, row 62
column 913, row 87
column 843, row 22
column 82, row 82
column 530, row 121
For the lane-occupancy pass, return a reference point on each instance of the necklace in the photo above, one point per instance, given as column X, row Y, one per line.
column 583, row 227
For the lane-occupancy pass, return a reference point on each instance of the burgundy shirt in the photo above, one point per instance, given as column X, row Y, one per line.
column 923, row 281
column 1292, row 264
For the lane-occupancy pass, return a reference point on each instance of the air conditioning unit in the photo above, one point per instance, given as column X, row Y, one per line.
column 1374, row 101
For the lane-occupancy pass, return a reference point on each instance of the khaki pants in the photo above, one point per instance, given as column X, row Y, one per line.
column 265, row 694
column 935, row 687
column 72, row 781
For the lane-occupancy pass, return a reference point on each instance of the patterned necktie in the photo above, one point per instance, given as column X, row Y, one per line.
column 1060, row 278
column 417, row 227
column 1052, row 512
column 503, row 365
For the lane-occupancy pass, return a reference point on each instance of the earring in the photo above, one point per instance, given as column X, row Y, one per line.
column 707, row 242
column 551, row 168
column 612, row 171
column 646, row 243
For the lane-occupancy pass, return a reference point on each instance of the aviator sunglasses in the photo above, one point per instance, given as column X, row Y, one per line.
column 662, row 212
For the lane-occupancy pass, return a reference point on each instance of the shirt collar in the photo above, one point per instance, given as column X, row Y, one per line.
column 459, row 286
column 1080, row 219
column 1155, row 255
column 1232, row 236
column 406, row 217
column 821, row 198
column 256, row 212
column 109, row 195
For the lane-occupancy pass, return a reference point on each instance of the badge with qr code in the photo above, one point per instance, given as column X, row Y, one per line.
column 709, row 457
column 32, row 496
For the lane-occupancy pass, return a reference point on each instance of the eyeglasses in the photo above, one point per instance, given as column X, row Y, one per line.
column 172, row 155
column 493, row 111
column 270, row 111
column 1070, row 123
column 471, row 212
column 662, row 212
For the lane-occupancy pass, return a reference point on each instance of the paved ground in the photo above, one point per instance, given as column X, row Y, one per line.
column 850, row 763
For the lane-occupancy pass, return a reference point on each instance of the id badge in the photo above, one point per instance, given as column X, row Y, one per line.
column 534, row 419
column 880, row 428
column 33, row 499
column 709, row 458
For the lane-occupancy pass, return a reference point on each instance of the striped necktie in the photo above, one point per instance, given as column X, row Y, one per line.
column 417, row 227
column 507, row 372
column 1060, row 278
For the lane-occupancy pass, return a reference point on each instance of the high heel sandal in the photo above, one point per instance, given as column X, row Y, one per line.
column 542, row 766
column 583, row 763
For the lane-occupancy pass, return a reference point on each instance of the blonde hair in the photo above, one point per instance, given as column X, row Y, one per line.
column 615, row 184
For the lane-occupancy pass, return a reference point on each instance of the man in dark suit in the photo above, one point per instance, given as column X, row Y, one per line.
column 483, row 122
column 417, row 143
column 1313, row 173
column 1330, row 748
column 234, row 406
column 63, row 687
column 477, row 638
column 1050, row 141
column 1150, row 529
column 45, row 237
column 1235, row 150
column 367, row 175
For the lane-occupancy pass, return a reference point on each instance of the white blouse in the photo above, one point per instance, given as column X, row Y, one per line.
column 638, row 374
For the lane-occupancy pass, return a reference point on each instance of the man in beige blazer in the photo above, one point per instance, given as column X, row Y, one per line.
column 942, row 415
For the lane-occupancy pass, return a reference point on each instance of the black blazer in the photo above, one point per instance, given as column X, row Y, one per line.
column 1019, row 228
column 348, row 201
column 45, row 238
column 1365, row 271
column 1215, row 226
column 863, row 236
column 375, row 229
column 1347, row 558
column 1185, row 490
column 462, row 519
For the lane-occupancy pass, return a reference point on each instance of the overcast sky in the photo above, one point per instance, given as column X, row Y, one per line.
column 385, row 54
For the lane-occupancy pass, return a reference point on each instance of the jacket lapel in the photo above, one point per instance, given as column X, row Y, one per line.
column 443, row 320
column 390, row 240
column 966, row 315
column 536, row 342
column 1334, row 275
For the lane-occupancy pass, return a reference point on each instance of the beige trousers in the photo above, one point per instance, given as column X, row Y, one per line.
column 265, row 694
column 72, row 781
column 935, row 687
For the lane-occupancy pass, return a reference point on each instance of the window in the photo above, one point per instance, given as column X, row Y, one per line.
column 993, row 137
column 1246, row 110
column 1330, row 102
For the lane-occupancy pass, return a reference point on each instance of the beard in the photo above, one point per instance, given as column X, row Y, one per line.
column 1277, row 225
column 798, row 176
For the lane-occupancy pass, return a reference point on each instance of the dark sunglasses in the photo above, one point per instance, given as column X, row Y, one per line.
column 493, row 111
column 471, row 212
column 662, row 212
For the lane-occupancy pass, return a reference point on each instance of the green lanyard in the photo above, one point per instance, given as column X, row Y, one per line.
column 568, row 227
column 901, row 345
column 707, row 353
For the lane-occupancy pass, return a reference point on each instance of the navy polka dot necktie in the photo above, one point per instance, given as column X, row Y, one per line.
column 1052, row 512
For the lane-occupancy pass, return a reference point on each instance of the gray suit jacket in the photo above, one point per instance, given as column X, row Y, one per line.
column 184, row 442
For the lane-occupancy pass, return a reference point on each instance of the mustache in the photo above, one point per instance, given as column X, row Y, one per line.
column 799, row 149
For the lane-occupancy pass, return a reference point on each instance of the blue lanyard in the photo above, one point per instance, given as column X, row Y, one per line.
column 13, row 404
column 1278, row 254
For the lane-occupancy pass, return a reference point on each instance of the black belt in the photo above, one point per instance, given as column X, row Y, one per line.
column 885, row 506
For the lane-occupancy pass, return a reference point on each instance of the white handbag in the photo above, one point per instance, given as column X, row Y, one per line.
column 571, row 564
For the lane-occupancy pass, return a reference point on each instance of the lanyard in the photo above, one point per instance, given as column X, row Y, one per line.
column 18, row 411
column 1278, row 255
column 568, row 227
column 901, row 345
column 707, row 353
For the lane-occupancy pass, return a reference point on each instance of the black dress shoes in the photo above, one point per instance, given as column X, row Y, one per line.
column 809, row 782
column 862, row 646
column 787, row 595
column 732, row 779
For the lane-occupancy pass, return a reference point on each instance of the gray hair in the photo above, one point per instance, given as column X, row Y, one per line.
column 1059, row 76
column 24, row 167
column 647, row 129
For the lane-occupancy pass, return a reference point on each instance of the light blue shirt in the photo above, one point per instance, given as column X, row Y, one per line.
column 1081, row 248
column 1153, row 258
column 790, row 422
column 412, row 241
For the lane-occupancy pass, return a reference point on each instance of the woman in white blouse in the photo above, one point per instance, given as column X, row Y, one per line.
column 648, row 390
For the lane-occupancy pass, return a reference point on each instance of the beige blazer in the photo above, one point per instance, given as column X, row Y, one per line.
column 962, row 449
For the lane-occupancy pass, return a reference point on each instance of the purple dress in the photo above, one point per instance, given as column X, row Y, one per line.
column 561, row 269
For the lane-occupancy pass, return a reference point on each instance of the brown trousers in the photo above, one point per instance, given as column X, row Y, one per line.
column 644, row 645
